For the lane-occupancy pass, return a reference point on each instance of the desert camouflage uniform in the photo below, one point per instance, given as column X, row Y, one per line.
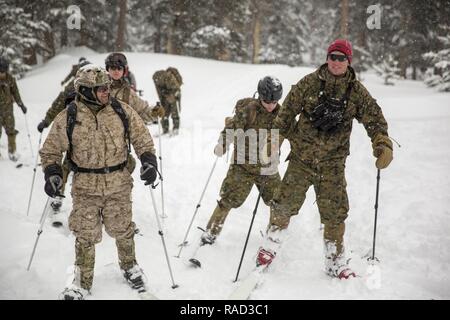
column 98, row 142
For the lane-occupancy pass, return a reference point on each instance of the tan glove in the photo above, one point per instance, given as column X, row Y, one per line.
column 382, row 150
column 219, row 150
column 158, row 111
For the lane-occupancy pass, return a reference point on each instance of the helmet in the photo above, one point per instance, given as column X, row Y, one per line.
column 116, row 59
column 88, row 79
column 83, row 63
column 4, row 65
column 270, row 89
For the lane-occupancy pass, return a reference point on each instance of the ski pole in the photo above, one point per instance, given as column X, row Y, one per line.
column 161, row 169
column 248, row 234
column 376, row 215
column 162, row 236
column 28, row 133
column 34, row 174
column 44, row 215
column 183, row 244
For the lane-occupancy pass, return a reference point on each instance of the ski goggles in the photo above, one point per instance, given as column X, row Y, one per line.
column 338, row 57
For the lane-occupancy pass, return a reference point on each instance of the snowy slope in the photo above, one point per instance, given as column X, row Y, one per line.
column 414, row 207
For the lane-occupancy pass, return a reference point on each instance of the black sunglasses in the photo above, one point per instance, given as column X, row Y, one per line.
column 270, row 102
column 116, row 68
column 338, row 57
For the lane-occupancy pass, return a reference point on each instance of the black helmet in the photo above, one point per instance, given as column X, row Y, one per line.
column 270, row 89
column 4, row 65
column 83, row 63
column 116, row 59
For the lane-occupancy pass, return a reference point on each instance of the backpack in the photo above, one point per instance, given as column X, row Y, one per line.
column 176, row 74
column 158, row 79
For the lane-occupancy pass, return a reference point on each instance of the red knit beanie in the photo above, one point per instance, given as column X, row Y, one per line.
column 343, row 46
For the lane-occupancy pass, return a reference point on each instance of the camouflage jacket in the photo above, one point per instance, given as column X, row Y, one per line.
column 59, row 104
column 9, row 92
column 98, row 141
column 72, row 73
column 121, row 90
column 308, row 144
column 249, row 117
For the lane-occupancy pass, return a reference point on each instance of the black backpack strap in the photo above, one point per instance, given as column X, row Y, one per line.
column 71, row 120
column 117, row 107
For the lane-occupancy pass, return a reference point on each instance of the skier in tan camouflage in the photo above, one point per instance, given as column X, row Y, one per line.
column 117, row 66
column 97, row 132
column 9, row 93
column 252, row 116
column 327, row 101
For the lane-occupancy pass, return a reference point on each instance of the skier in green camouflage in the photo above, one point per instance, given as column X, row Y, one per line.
column 168, row 86
column 73, row 71
column 9, row 93
column 251, row 116
column 326, row 101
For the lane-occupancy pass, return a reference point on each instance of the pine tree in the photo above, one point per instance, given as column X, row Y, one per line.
column 440, row 60
column 388, row 69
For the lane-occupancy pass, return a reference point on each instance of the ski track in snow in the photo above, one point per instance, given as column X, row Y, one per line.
column 414, row 203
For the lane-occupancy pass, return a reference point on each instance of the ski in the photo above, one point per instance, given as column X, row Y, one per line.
column 248, row 284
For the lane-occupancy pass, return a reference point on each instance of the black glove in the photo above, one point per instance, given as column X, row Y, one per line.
column 24, row 109
column 149, row 167
column 42, row 125
column 53, row 180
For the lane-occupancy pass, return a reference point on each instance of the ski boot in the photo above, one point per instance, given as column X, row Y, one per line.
column 13, row 156
column 74, row 292
column 207, row 238
column 135, row 278
column 265, row 257
column 336, row 266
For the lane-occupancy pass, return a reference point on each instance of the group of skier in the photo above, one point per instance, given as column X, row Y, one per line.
column 99, row 116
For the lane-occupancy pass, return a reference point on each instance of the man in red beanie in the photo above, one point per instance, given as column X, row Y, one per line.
column 327, row 101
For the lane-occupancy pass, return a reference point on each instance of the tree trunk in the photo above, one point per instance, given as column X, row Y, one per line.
column 30, row 57
column 64, row 36
column 170, row 47
column 256, row 35
column 344, row 19
column 122, row 25
column 157, row 39
column 50, row 42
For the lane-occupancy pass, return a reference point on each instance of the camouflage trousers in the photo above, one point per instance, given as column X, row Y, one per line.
column 89, row 214
column 328, row 179
column 235, row 189
column 7, row 121
column 171, row 110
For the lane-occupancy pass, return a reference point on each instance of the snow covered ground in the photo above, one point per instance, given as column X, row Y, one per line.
column 413, row 236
